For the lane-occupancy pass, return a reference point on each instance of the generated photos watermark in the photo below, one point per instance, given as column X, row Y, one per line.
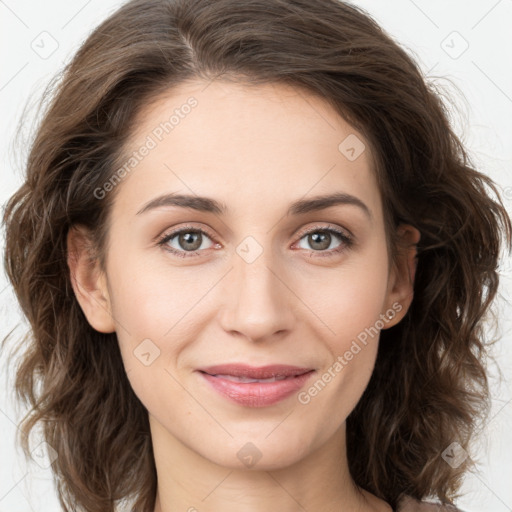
column 151, row 142
column 342, row 361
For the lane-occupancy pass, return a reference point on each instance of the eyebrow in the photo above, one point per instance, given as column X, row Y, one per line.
column 207, row 204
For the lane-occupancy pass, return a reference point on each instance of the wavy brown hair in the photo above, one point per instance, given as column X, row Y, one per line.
column 429, row 387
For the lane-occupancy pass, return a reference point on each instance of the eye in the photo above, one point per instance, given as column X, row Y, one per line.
column 190, row 241
column 321, row 238
column 185, row 242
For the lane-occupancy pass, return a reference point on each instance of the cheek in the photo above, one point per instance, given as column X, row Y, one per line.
column 150, row 309
column 350, row 298
column 157, row 308
column 349, row 302
column 151, row 300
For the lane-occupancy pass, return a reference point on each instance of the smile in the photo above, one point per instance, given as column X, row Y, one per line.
column 256, row 387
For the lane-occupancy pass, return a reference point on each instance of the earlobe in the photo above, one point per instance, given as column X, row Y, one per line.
column 88, row 281
column 403, row 273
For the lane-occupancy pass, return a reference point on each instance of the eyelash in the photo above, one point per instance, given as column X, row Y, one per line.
column 346, row 240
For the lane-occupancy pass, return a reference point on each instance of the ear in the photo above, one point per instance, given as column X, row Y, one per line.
column 88, row 281
column 401, row 278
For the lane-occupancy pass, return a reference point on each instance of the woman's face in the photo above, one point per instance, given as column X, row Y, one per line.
column 256, row 278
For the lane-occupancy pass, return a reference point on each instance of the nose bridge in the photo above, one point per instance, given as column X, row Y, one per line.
column 258, row 304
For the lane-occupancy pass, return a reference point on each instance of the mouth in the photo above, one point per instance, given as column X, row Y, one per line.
column 256, row 386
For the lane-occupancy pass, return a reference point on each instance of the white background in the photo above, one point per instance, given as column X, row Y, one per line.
column 436, row 33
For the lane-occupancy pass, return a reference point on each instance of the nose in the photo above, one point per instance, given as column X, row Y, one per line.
column 258, row 302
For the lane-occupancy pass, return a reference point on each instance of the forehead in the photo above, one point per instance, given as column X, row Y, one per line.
column 249, row 146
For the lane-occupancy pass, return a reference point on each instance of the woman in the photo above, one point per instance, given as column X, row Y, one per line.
column 255, row 259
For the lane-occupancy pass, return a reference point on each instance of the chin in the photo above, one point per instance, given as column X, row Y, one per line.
column 255, row 453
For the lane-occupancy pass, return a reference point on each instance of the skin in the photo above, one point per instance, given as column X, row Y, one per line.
column 256, row 149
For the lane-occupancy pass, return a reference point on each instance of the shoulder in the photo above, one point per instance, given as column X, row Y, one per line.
column 409, row 504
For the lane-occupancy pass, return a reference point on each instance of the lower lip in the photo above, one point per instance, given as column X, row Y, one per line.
column 257, row 394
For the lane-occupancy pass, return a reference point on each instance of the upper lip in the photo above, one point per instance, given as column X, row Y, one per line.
column 253, row 372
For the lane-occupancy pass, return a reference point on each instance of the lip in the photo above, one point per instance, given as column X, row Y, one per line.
column 224, row 380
